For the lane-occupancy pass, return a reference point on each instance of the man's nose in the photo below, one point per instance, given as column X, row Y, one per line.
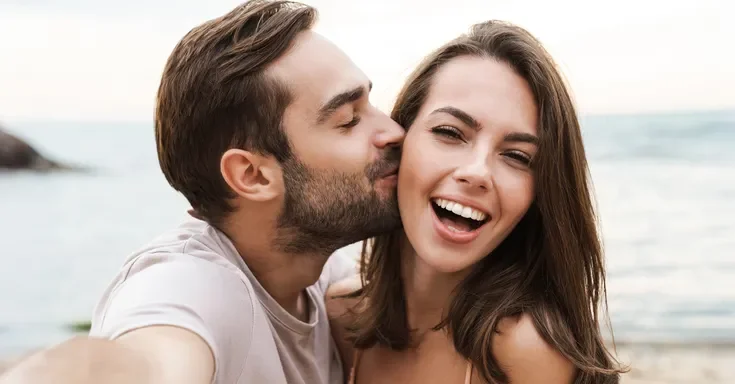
column 389, row 133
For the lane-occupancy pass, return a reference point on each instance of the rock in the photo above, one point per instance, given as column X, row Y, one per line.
column 16, row 154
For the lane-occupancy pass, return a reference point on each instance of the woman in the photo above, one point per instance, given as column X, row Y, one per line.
column 497, row 273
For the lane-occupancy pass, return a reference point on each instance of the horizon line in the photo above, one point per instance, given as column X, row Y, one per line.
column 7, row 122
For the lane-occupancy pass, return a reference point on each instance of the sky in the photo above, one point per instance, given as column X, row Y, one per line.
column 92, row 60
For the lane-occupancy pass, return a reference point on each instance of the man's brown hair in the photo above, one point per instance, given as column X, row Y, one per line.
column 215, row 95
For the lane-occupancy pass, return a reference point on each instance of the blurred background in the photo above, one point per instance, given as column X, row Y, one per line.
column 654, row 82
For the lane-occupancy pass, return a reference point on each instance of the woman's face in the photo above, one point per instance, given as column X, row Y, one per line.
column 465, row 179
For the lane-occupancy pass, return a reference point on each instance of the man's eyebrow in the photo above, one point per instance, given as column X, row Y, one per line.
column 346, row 97
column 460, row 115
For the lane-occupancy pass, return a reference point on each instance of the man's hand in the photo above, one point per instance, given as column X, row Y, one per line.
column 160, row 354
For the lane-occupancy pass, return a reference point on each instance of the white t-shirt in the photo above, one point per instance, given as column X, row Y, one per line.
column 194, row 278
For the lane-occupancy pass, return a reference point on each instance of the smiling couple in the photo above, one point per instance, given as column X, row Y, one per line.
column 482, row 261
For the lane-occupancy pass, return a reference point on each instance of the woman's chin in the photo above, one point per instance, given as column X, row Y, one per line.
column 445, row 262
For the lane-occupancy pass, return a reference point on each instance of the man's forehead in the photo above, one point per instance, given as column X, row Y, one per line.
column 317, row 69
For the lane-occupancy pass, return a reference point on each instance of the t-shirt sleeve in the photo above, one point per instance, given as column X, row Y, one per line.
column 343, row 263
column 203, row 297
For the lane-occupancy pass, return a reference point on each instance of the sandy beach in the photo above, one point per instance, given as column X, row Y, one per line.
column 665, row 363
column 678, row 363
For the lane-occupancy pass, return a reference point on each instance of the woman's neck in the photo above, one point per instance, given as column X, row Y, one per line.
column 428, row 292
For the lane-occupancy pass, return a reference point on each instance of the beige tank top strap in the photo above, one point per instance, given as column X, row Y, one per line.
column 355, row 362
column 468, row 374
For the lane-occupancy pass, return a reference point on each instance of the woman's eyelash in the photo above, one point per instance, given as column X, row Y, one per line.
column 454, row 133
column 448, row 131
column 518, row 156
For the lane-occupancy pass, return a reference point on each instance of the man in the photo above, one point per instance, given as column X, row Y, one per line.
column 266, row 128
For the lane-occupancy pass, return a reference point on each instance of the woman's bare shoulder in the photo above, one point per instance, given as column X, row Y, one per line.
column 526, row 357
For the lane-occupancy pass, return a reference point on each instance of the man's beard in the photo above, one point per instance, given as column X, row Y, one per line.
column 327, row 210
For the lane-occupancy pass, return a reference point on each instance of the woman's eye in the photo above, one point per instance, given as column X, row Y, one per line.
column 447, row 131
column 519, row 156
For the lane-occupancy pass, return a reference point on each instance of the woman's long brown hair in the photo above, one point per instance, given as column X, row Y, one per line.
column 550, row 267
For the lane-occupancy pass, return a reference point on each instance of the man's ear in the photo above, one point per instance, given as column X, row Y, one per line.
column 252, row 176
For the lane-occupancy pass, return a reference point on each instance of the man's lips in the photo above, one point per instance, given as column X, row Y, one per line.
column 388, row 178
column 392, row 172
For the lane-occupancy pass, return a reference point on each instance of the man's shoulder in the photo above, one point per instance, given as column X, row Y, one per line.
column 188, row 267
column 185, row 279
column 193, row 241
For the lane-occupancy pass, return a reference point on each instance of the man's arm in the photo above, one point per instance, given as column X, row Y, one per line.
column 178, row 320
column 156, row 354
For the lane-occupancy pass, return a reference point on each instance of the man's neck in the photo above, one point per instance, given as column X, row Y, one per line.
column 284, row 276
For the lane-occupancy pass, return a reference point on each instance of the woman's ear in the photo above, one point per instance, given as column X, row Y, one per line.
column 250, row 175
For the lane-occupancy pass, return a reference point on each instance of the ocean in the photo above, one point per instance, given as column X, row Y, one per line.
column 664, row 184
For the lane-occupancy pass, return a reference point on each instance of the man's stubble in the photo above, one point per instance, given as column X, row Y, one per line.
column 326, row 210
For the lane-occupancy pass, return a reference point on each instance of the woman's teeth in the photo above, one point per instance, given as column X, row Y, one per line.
column 461, row 210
